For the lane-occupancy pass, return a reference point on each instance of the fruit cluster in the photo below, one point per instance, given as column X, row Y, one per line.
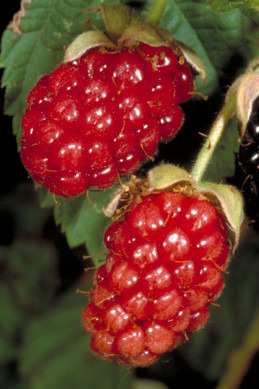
column 166, row 256
column 96, row 118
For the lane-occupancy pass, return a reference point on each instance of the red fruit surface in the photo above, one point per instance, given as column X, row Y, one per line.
column 166, row 258
column 120, row 103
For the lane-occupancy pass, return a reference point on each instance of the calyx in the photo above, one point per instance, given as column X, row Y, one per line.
column 123, row 28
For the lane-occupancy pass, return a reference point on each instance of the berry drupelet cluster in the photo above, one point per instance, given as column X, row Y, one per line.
column 98, row 117
column 166, row 257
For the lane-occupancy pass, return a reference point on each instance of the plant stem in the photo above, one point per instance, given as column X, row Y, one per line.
column 216, row 131
column 156, row 11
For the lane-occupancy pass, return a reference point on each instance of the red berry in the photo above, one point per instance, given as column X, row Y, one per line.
column 161, row 59
column 159, row 338
column 183, row 84
column 167, row 253
column 171, row 122
column 129, row 71
column 131, row 342
column 161, row 96
column 127, row 98
column 41, row 95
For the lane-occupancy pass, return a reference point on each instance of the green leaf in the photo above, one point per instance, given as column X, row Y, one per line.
column 81, row 218
column 226, row 5
column 241, row 356
column 28, row 282
column 29, row 273
column 56, row 353
column 223, row 160
column 215, row 37
column 83, row 222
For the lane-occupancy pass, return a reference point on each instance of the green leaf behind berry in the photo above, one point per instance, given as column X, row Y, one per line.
column 63, row 358
column 81, row 218
column 214, row 37
column 226, row 5
column 223, row 161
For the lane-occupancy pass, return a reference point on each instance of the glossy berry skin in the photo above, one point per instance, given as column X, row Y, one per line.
column 248, row 165
column 99, row 117
column 166, row 257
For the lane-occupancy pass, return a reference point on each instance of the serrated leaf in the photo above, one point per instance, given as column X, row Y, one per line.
column 214, row 37
column 56, row 353
column 81, row 218
column 226, row 5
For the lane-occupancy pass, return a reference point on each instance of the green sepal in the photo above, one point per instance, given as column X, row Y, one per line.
column 231, row 203
column 117, row 18
column 245, row 90
column 84, row 42
column 166, row 175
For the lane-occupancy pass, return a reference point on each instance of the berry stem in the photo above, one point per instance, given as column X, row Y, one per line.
column 156, row 11
column 216, row 131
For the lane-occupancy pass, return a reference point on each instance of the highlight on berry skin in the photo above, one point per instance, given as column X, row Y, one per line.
column 166, row 256
column 99, row 117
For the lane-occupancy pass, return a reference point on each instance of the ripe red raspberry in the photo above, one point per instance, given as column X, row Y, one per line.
column 166, row 257
column 98, row 117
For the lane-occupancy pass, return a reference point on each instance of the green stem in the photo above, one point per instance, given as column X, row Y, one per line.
column 216, row 131
column 156, row 11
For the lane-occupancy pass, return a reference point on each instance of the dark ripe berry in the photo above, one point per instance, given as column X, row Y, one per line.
column 249, row 157
column 166, row 257
column 247, row 165
column 126, row 98
column 253, row 123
